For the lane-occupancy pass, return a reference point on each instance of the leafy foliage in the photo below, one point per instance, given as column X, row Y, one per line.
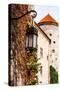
column 53, row 75
column 33, row 67
column 33, row 82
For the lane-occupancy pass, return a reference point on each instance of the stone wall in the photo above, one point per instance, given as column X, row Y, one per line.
column 17, row 36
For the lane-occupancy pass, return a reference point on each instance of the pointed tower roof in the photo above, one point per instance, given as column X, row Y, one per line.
column 48, row 20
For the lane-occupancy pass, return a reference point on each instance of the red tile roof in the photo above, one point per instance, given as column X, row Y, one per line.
column 48, row 20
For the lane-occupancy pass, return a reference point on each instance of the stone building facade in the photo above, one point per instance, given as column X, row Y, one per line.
column 17, row 35
column 47, row 45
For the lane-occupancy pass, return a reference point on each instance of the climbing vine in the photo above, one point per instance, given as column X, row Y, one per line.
column 32, row 68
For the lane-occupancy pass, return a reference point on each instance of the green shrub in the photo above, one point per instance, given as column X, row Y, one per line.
column 32, row 67
column 53, row 75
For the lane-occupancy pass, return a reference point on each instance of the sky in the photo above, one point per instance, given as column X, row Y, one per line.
column 42, row 11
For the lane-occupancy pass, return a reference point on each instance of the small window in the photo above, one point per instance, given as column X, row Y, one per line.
column 41, row 52
column 54, row 42
column 53, row 50
column 47, row 57
column 50, row 34
column 40, row 69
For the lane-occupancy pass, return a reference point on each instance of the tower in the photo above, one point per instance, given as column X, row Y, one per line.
column 50, row 27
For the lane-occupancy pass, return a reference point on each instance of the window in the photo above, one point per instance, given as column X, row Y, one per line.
column 54, row 42
column 50, row 34
column 41, row 52
column 47, row 57
column 53, row 50
column 40, row 69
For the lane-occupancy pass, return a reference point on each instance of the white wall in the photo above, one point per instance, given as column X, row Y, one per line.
column 43, row 42
column 55, row 37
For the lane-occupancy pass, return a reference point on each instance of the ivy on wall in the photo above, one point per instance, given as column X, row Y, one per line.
column 53, row 75
column 32, row 68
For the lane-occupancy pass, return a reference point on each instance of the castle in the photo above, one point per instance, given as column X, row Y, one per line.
column 50, row 26
column 42, row 36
